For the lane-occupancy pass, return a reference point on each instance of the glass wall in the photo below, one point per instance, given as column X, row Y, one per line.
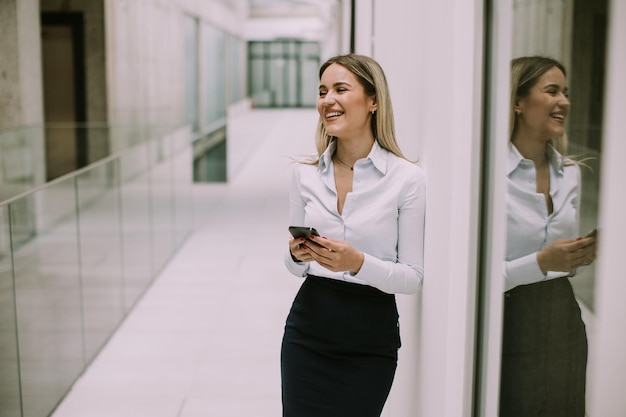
column 574, row 33
column 214, row 75
column 283, row 73
column 75, row 256
column 191, row 72
column 222, row 81
column 235, row 64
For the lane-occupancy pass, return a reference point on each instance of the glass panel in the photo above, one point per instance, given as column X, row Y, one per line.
column 182, row 173
column 256, row 49
column 76, row 255
column 291, row 83
column 573, row 32
column 278, row 82
column 310, row 50
column 191, row 72
column 234, row 71
column 276, row 50
column 161, row 205
column 9, row 371
column 136, row 223
column 258, row 90
column 100, row 254
column 287, row 77
column 48, row 295
column 211, row 166
column 215, row 75
column 309, row 82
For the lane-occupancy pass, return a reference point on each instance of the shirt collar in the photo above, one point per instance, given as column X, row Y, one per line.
column 377, row 156
column 516, row 159
column 324, row 162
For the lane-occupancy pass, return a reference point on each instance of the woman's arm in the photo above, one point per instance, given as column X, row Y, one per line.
column 296, row 218
column 402, row 275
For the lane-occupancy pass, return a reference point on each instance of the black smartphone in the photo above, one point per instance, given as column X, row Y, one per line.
column 302, row 231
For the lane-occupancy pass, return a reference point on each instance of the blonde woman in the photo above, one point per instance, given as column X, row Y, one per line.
column 544, row 351
column 339, row 350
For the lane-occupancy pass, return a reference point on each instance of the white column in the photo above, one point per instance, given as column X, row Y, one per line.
column 363, row 23
column 432, row 55
column 608, row 378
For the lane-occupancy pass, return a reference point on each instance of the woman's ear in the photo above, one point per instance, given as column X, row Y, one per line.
column 518, row 105
column 374, row 105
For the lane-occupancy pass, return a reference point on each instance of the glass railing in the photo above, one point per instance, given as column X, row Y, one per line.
column 77, row 253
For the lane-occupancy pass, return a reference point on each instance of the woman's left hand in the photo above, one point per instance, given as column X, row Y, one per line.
column 335, row 254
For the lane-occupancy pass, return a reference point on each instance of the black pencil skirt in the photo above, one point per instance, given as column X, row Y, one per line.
column 544, row 352
column 339, row 351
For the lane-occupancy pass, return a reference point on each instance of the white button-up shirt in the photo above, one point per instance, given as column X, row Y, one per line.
column 529, row 226
column 383, row 217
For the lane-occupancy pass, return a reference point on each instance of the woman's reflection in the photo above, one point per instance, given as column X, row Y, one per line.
column 544, row 352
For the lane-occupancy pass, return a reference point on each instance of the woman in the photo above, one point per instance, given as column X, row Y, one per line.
column 339, row 350
column 544, row 340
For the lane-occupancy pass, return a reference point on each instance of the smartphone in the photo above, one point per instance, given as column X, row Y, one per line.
column 302, row 231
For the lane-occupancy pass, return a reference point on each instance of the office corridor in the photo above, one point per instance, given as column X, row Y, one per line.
column 205, row 338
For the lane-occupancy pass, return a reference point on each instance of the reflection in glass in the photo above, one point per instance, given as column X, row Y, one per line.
column 572, row 32
column 544, row 343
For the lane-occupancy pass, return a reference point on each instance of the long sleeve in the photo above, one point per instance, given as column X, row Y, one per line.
column 530, row 227
column 296, row 218
column 405, row 274
column 383, row 217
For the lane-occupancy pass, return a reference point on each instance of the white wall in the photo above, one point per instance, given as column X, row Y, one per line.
column 434, row 71
column 609, row 375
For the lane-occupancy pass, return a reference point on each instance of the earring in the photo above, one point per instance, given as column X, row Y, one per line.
column 517, row 113
column 373, row 111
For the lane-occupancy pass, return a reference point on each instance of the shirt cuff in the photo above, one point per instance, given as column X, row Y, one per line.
column 380, row 274
column 521, row 271
column 298, row 269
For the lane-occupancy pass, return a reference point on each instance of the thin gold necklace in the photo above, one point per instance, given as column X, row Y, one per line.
column 343, row 163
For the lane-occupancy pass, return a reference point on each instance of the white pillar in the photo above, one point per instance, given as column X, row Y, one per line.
column 608, row 378
column 432, row 55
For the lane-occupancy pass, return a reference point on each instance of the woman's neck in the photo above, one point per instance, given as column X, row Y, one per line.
column 350, row 152
column 535, row 150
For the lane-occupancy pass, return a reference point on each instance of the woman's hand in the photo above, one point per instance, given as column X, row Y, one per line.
column 333, row 254
column 298, row 251
column 567, row 255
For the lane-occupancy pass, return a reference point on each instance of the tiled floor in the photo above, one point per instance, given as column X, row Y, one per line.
column 205, row 338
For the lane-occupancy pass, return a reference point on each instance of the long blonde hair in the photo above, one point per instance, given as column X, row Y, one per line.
column 371, row 76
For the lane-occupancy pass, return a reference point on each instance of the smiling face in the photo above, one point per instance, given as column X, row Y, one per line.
column 343, row 106
column 543, row 111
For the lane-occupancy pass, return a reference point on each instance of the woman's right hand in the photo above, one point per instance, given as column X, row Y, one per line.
column 567, row 255
column 297, row 247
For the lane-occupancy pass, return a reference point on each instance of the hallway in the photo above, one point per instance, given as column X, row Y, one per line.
column 205, row 338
